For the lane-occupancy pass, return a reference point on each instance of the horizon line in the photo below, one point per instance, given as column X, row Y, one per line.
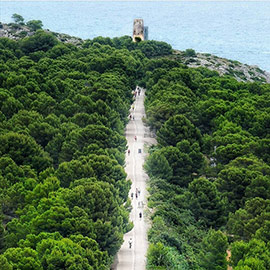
column 266, row 1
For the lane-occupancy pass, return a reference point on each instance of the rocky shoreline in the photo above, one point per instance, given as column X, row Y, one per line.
column 242, row 72
column 16, row 31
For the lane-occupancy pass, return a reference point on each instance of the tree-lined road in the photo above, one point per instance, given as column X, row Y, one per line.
column 134, row 258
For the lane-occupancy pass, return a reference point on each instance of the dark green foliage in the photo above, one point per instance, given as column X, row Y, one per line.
column 190, row 53
column 178, row 128
column 63, row 190
column 205, row 203
column 18, row 18
column 209, row 169
column 34, row 25
column 158, row 166
column 24, row 151
column 149, row 48
column 41, row 41
column 213, row 253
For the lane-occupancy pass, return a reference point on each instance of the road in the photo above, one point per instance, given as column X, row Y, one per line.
column 134, row 258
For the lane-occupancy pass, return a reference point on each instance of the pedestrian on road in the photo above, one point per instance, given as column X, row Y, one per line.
column 130, row 242
column 135, row 138
column 140, row 215
column 136, row 195
column 139, row 192
column 133, row 117
column 128, row 151
column 132, row 195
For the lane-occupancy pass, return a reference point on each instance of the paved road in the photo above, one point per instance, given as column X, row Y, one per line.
column 134, row 258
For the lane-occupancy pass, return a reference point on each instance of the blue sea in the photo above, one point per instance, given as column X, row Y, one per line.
column 234, row 30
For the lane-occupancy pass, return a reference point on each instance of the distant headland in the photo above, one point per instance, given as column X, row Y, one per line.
column 242, row 72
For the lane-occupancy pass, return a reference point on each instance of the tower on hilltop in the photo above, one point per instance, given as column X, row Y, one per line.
column 139, row 31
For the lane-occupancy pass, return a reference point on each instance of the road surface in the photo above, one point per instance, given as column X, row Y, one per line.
column 134, row 258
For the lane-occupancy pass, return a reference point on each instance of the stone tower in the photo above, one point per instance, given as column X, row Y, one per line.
column 138, row 30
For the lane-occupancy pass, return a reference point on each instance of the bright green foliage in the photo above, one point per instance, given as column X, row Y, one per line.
column 213, row 133
column 157, row 256
column 162, row 258
column 23, row 258
column 64, row 254
column 63, row 188
column 252, row 255
column 4, row 264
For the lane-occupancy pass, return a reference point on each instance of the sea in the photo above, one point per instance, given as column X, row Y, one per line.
column 234, row 30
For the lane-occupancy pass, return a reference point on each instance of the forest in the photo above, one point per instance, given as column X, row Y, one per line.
column 63, row 110
column 210, row 183
column 63, row 188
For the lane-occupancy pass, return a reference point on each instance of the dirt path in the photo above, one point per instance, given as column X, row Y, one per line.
column 134, row 258
column 229, row 254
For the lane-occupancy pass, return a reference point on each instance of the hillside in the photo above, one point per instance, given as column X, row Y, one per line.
column 242, row 72
column 64, row 194
column 209, row 173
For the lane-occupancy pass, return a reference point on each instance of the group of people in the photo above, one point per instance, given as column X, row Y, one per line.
column 138, row 191
column 137, row 91
column 135, row 139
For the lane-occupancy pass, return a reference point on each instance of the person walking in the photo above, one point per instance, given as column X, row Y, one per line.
column 130, row 242
column 128, row 151
column 140, row 215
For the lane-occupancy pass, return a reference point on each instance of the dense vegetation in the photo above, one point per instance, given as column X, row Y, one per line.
column 63, row 189
column 210, row 183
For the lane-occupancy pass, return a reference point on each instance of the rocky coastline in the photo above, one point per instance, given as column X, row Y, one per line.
column 242, row 72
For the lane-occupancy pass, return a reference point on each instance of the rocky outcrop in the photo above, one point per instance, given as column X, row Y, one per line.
column 241, row 72
column 17, row 31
